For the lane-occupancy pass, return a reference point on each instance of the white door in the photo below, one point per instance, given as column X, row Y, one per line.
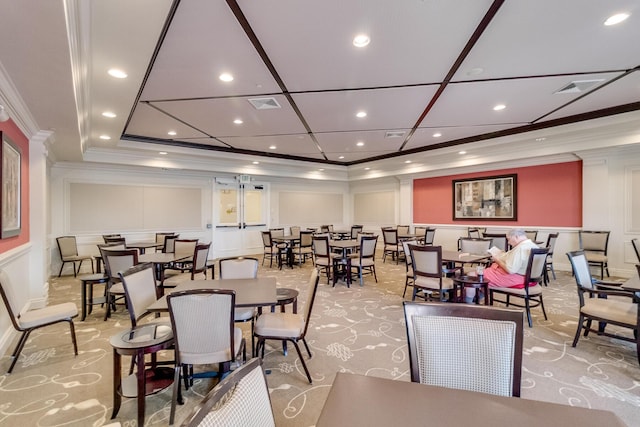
column 241, row 216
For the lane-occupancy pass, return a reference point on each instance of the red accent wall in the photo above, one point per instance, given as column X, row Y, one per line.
column 548, row 195
column 18, row 138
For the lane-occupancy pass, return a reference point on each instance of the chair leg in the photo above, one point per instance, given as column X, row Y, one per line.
column 304, row 365
column 528, row 309
column 16, row 352
column 176, row 393
column 307, row 347
column 577, row 337
column 61, row 267
column 72, row 329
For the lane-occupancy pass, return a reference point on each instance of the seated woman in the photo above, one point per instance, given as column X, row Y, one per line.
column 508, row 268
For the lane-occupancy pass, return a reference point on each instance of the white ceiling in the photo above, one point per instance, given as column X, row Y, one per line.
column 433, row 66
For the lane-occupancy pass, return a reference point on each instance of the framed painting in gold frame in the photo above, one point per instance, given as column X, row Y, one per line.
column 10, row 190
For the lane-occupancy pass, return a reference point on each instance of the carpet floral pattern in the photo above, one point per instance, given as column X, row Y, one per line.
column 357, row 329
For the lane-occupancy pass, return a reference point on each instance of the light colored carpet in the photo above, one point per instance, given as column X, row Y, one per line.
column 359, row 330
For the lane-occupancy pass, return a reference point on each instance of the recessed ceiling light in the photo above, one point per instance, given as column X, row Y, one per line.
column 475, row 71
column 172, row 133
column 361, row 114
column 360, row 144
column 462, row 152
column 273, row 147
column 238, row 121
column 256, row 163
column 321, row 169
column 407, row 161
column 105, row 137
column 118, row 74
column 361, row 40
column 226, row 77
column 616, row 19
column 109, row 114
column 367, row 169
column 164, row 153
column 341, row 157
column 437, row 135
column 540, row 139
column 499, row 107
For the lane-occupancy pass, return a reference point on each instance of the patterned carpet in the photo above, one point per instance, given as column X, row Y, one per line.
column 358, row 329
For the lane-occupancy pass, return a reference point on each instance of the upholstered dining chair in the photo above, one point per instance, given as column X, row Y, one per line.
column 161, row 237
column 476, row 246
column 204, row 334
column 464, row 346
column 636, row 248
column 408, row 281
column 596, row 306
column 392, row 245
column 420, row 231
column 323, row 258
column 403, row 229
column 474, row 233
column 183, row 248
column 595, row 246
column 139, row 283
column 304, row 250
column 364, row 260
column 499, row 240
column 531, row 235
column 115, row 261
column 427, row 273
column 355, row 230
column 548, row 267
column 531, row 291
column 198, row 268
column 429, row 236
column 241, row 268
column 108, row 238
column 69, row 253
column 240, row 399
column 288, row 326
column 271, row 250
column 31, row 320
column 169, row 244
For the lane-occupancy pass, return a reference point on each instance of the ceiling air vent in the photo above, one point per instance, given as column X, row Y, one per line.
column 578, row 86
column 264, row 103
column 394, row 134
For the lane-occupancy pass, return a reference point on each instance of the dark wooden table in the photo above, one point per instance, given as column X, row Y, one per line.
column 460, row 283
column 362, row 401
column 342, row 266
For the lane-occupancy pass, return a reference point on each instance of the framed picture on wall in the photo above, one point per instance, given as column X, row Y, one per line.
column 488, row 198
column 10, row 190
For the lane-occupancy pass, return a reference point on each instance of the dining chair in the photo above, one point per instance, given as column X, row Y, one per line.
column 161, row 237
column 420, row 231
column 595, row 245
column 241, row 268
column 474, row 233
column 204, row 334
column 240, row 399
column 355, row 230
column 290, row 327
column 271, row 249
column 499, row 240
column 277, row 232
column 475, row 246
column 391, row 244
column 466, row 347
column 429, row 236
column 531, row 235
column 531, row 291
column 115, row 261
column 294, row 230
column 403, row 229
column 169, row 244
column 28, row 321
column 107, row 237
column 596, row 306
column 548, row 265
column 636, row 248
column 304, row 249
column 364, row 260
column 408, row 281
column 69, row 253
column 183, row 248
column 323, row 258
column 198, row 268
column 428, row 275
column 115, row 239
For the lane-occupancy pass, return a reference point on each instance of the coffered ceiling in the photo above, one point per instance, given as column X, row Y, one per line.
column 433, row 74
